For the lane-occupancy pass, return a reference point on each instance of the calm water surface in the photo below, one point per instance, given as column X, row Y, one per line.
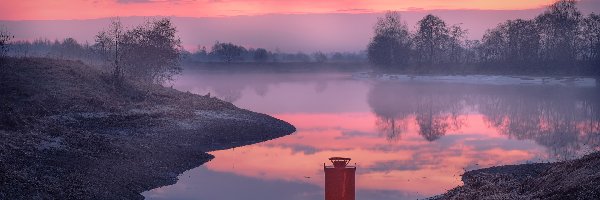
column 409, row 139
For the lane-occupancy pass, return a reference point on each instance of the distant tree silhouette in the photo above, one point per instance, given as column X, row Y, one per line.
column 516, row 42
column 5, row 38
column 319, row 57
column 558, row 26
column 302, row 57
column 69, row 48
column 558, row 37
column 261, row 55
column 430, row 39
column 227, row 52
column 201, row 53
column 456, row 44
column 391, row 44
column 523, row 41
column 590, row 44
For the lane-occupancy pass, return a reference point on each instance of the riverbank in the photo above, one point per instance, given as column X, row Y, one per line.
column 278, row 67
column 575, row 179
column 550, row 69
column 574, row 81
column 68, row 133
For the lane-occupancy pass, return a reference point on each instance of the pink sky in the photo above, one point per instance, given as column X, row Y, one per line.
column 288, row 26
column 91, row 9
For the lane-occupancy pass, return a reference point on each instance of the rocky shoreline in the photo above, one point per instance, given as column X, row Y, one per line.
column 574, row 179
column 67, row 133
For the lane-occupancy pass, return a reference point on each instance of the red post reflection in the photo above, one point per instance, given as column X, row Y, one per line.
column 339, row 179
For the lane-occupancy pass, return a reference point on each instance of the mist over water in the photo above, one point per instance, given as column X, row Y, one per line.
column 409, row 139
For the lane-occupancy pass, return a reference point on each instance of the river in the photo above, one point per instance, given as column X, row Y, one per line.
column 408, row 138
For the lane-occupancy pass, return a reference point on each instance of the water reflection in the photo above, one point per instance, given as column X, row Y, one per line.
column 563, row 119
column 436, row 110
column 409, row 140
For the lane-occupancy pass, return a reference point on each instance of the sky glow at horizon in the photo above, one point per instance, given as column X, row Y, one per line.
column 93, row 9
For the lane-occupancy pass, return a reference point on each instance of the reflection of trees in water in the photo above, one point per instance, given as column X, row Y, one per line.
column 435, row 117
column 229, row 85
column 562, row 119
column 394, row 104
column 391, row 128
column 261, row 89
column 231, row 91
column 229, row 94
column 321, row 86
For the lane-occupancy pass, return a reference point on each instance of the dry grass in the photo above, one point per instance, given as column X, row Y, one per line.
column 576, row 179
column 34, row 87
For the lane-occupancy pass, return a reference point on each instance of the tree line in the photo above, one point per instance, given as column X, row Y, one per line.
column 227, row 52
column 560, row 36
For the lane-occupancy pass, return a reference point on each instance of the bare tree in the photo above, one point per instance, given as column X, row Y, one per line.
column 391, row 44
column 109, row 43
column 523, row 41
column 430, row 39
column 591, row 38
column 152, row 51
column 558, row 26
column 494, row 44
column 456, row 44
column 149, row 52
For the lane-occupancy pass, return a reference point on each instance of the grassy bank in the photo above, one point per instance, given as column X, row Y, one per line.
column 575, row 179
column 67, row 132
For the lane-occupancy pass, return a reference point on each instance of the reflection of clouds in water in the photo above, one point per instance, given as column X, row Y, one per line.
column 559, row 118
column 398, row 168
column 305, row 149
column 394, row 103
column 201, row 183
column 349, row 134
column 401, row 165
column 281, row 92
column 439, row 130
column 387, row 195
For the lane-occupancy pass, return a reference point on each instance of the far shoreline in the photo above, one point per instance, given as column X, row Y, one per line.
column 583, row 70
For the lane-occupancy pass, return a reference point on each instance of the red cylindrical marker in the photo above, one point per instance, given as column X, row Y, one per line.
column 339, row 179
